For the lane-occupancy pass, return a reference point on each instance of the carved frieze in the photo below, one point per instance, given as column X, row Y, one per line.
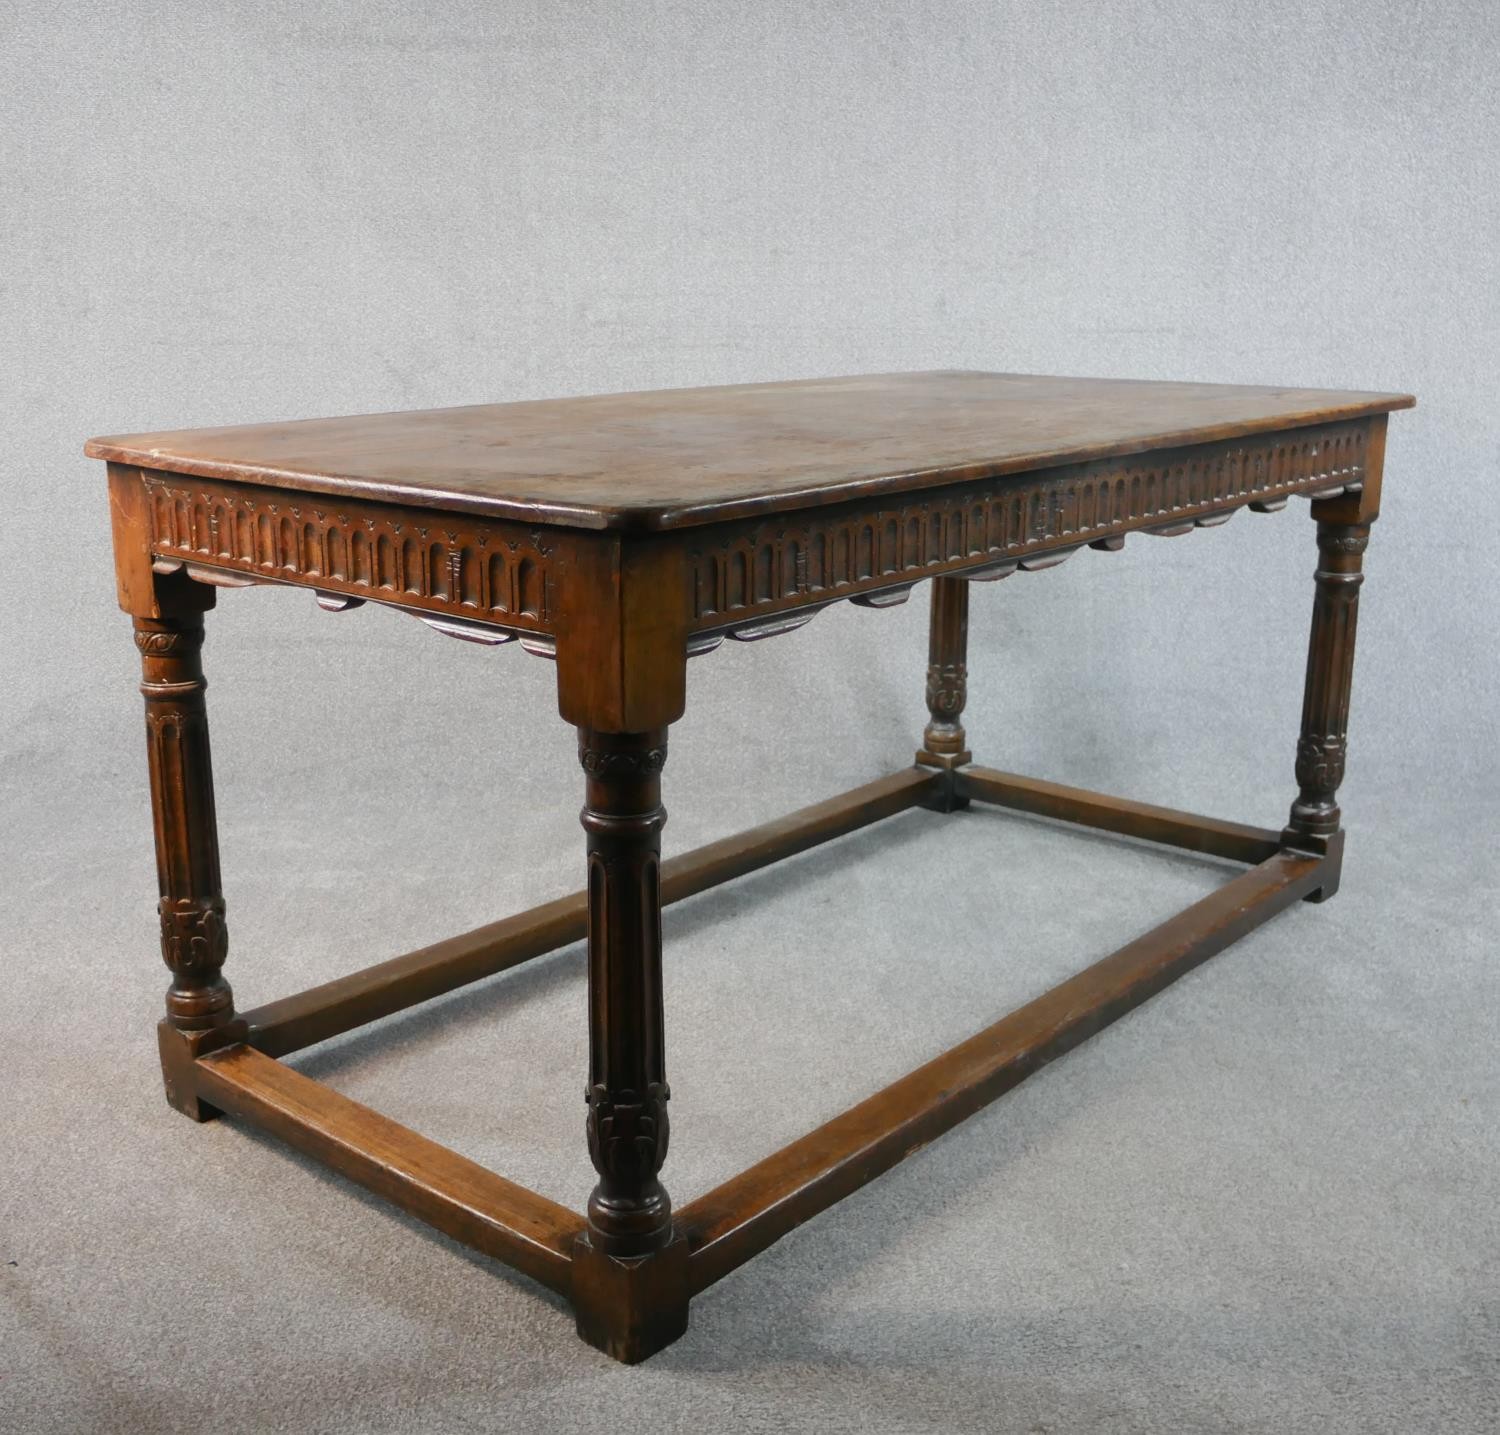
column 847, row 549
column 486, row 571
column 749, row 578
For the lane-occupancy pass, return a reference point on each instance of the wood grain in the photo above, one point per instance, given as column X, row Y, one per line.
column 1237, row 841
column 680, row 457
column 469, row 1203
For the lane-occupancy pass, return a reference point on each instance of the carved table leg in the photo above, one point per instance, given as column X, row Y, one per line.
column 630, row 1266
column 1314, row 821
column 194, row 940
column 943, row 739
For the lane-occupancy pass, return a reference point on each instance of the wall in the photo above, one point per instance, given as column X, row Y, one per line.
column 235, row 212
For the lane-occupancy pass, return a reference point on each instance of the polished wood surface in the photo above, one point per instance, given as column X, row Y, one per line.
column 459, row 1197
column 1213, row 837
column 677, row 457
column 622, row 536
column 620, row 610
column 627, row 1093
column 943, row 739
column 194, row 937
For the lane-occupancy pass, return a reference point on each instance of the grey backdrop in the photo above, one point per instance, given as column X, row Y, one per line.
column 1266, row 1202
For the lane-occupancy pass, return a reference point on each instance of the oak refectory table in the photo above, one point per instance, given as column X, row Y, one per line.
column 621, row 535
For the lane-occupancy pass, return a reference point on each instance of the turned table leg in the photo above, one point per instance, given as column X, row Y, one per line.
column 1343, row 534
column 194, row 939
column 943, row 739
column 630, row 1266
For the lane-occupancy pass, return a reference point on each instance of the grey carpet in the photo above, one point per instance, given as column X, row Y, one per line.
column 1264, row 1202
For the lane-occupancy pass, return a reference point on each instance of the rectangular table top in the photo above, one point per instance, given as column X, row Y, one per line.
column 677, row 457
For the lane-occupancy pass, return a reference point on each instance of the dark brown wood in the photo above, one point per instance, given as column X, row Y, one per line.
column 1215, row 838
column 504, row 575
column 944, row 743
column 167, row 612
column 1343, row 535
column 627, row 1093
column 194, row 938
column 620, row 534
column 602, row 602
column 630, row 1307
column 689, row 456
column 136, row 581
column 749, row 1212
column 484, row 1211
column 179, row 1050
column 622, row 660
column 1330, row 671
column 629, row 1211
column 294, row 1022
column 755, row 574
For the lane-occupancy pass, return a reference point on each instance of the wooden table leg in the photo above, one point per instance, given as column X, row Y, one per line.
column 944, row 739
column 630, row 1265
column 194, row 938
column 1343, row 535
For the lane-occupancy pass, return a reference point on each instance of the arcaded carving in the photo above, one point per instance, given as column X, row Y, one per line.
column 851, row 548
column 750, row 578
column 485, row 571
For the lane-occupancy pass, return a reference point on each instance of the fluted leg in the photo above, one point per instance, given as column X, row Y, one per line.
column 944, row 740
column 194, row 939
column 1315, row 815
column 630, row 1267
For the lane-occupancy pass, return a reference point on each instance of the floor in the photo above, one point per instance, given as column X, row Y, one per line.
column 1264, row 1202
